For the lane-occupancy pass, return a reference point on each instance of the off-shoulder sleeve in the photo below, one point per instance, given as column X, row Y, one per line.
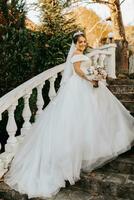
column 77, row 58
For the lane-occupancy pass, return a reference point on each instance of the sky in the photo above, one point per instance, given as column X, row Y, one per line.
column 127, row 9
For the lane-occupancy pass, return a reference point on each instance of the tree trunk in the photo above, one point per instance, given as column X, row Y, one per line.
column 119, row 36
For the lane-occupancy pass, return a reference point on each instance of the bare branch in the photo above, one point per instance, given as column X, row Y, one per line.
column 69, row 2
column 108, row 19
column 122, row 2
column 101, row 1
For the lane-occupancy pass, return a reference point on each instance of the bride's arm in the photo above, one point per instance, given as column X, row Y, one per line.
column 79, row 71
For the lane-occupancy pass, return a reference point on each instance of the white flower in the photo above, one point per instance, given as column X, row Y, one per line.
column 96, row 73
column 90, row 70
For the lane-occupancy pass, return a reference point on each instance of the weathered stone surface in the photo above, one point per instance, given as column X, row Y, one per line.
column 97, row 185
column 126, row 192
column 120, row 81
column 125, row 96
column 122, row 164
column 107, row 183
column 8, row 194
column 131, row 64
column 69, row 193
column 121, row 89
column 129, row 105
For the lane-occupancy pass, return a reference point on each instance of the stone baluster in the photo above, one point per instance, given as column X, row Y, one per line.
column 40, row 101
column 102, row 63
column 131, row 64
column 61, row 82
column 102, row 60
column 26, row 115
column 52, row 92
column 95, row 60
column 112, row 61
column 62, row 73
column 2, row 168
column 11, row 129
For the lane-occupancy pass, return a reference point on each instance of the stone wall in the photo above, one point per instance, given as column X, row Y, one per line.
column 131, row 64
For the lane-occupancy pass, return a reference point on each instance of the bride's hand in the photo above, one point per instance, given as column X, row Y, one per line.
column 95, row 83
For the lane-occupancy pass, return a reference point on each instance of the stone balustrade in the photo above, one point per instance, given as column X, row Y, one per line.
column 104, row 57
column 108, row 59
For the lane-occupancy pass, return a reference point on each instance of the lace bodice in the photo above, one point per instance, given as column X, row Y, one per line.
column 84, row 62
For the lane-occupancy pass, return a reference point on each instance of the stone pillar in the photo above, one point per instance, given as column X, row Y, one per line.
column 131, row 65
column 121, row 57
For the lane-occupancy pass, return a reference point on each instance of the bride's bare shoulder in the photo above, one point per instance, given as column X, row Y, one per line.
column 76, row 53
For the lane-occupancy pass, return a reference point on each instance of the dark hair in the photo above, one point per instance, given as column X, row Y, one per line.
column 76, row 37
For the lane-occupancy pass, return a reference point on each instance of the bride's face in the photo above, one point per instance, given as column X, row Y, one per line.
column 81, row 43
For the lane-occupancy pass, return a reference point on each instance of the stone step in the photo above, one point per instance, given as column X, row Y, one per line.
column 132, row 113
column 121, row 89
column 122, row 164
column 125, row 96
column 129, row 105
column 6, row 193
column 120, row 81
column 127, row 100
column 90, row 196
column 107, row 183
column 68, row 193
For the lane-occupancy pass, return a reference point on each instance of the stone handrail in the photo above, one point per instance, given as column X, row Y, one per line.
column 110, row 60
column 28, row 85
column 9, row 102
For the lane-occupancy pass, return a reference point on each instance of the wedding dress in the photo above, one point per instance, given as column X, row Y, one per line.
column 81, row 128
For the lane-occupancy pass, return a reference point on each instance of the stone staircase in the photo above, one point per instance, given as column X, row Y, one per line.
column 113, row 181
column 123, row 89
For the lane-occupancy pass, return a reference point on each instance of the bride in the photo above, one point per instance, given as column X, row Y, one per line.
column 81, row 128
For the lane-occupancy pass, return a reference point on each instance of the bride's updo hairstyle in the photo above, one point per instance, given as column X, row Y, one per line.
column 77, row 35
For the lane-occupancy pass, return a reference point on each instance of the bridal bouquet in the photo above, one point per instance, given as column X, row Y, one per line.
column 96, row 74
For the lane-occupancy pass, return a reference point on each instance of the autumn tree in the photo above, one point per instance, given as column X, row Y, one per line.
column 95, row 30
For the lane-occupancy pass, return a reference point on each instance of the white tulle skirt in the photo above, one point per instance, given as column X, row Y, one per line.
column 81, row 129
